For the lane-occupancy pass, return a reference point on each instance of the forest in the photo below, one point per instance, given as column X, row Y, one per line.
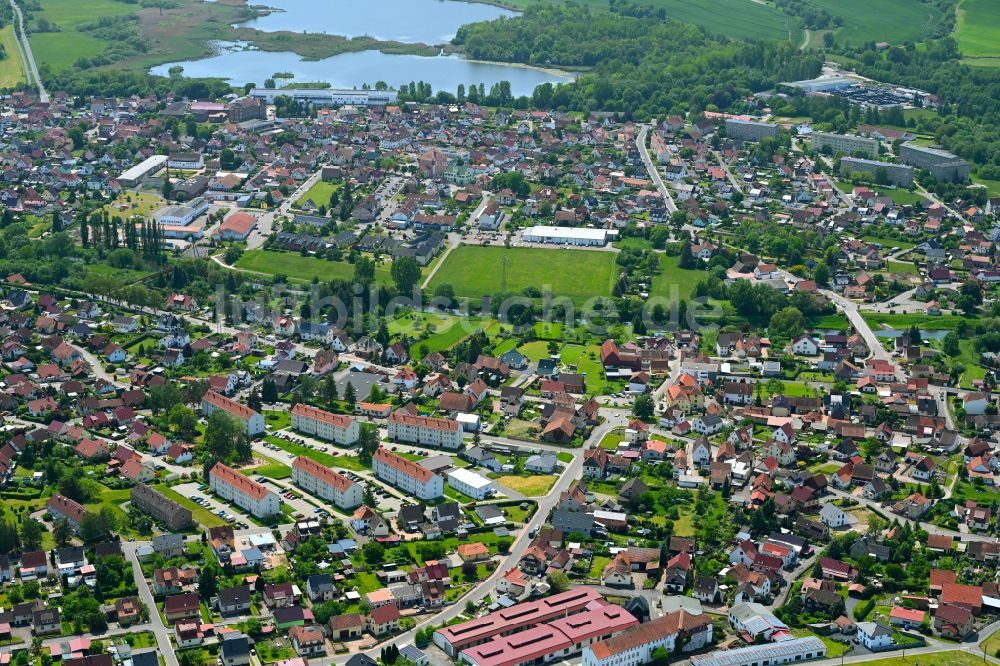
column 638, row 65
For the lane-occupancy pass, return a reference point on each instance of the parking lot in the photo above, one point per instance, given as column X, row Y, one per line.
column 201, row 494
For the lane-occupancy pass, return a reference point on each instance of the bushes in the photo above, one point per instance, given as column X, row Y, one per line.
column 863, row 609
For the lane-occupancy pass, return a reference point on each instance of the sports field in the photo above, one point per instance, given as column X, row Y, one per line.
column 297, row 267
column 978, row 29
column 893, row 21
column 476, row 271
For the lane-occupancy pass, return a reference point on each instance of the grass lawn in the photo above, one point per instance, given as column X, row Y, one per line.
column 297, row 267
column 143, row 204
column 11, row 71
column 278, row 420
column 887, row 242
column 578, row 274
column 992, row 643
column 673, row 282
column 611, row 440
column 901, row 267
column 319, row 193
column 992, row 186
column 684, row 525
column 272, row 469
column 348, row 460
column 969, row 357
column 597, row 565
column 200, row 514
column 953, row 658
column 564, row 457
column 978, row 29
column 898, row 321
column 532, row 486
column 833, row 648
column 905, row 197
column 535, row 350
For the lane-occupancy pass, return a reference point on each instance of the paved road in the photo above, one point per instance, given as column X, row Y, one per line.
column 160, row 631
column 572, row 472
column 29, row 58
column 928, row 527
column 654, row 173
column 454, row 240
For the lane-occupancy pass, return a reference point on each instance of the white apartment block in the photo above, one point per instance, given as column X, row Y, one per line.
column 253, row 422
column 244, row 492
column 325, row 483
column 336, row 428
column 425, row 430
column 407, row 475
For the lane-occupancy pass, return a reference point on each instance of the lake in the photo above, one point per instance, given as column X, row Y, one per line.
column 411, row 21
column 352, row 70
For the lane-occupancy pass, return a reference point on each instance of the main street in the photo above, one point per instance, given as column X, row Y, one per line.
column 654, row 173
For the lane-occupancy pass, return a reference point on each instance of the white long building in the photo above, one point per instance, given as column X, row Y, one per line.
column 325, row 483
column 782, row 652
column 407, row 475
column 425, row 430
column 332, row 96
column 244, row 492
column 332, row 427
column 568, row 235
column 253, row 421
column 469, row 483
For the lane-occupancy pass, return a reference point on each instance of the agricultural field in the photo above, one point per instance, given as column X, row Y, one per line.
column 578, row 274
column 297, row 267
column 59, row 50
column 978, row 30
column 893, row 21
column 739, row 19
column 11, row 69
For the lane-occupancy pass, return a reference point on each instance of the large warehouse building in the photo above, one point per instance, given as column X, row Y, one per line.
column 149, row 166
column 568, row 235
column 331, row 96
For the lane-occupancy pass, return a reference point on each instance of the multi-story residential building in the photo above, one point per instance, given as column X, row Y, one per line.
column 160, row 507
column 243, row 492
column 325, row 483
column 900, row 175
column 944, row 166
column 845, row 143
column 331, row 427
column 63, row 507
column 407, row 475
column 253, row 422
column 425, row 430
column 634, row 647
column 749, row 130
